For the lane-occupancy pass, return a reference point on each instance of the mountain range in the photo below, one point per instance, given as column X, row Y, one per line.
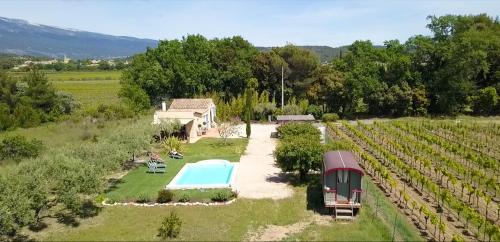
column 23, row 38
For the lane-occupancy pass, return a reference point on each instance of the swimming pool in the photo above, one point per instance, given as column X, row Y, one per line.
column 204, row 174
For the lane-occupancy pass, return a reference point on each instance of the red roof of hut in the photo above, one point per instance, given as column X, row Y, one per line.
column 340, row 160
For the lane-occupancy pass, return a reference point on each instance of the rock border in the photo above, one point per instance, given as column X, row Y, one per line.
column 168, row 204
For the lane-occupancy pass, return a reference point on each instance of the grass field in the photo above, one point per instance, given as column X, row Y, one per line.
column 238, row 220
column 139, row 183
column 56, row 135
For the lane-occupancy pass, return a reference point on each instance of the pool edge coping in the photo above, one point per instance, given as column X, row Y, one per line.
column 179, row 174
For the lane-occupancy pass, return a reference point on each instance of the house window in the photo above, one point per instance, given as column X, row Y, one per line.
column 342, row 176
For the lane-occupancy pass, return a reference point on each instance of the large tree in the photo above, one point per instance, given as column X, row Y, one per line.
column 190, row 67
column 267, row 68
column 461, row 55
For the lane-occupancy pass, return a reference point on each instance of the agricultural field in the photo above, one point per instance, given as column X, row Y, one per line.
column 443, row 174
column 90, row 88
column 91, row 93
column 84, row 75
column 77, row 75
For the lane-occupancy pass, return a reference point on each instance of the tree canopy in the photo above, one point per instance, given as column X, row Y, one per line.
column 445, row 73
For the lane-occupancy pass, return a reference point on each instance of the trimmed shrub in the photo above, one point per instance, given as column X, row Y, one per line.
column 222, row 196
column 298, row 129
column 143, row 198
column 184, row 198
column 330, row 117
column 164, row 196
column 170, row 226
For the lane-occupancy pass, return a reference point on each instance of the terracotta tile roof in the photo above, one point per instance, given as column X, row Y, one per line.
column 191, row 103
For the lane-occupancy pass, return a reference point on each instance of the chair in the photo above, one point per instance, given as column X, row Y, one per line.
column 151, row 167
column 154, row 167
column 175, row 155
column 160, row 165
column 161, row 168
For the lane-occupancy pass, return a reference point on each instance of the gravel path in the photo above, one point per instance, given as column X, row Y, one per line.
column 257, row 177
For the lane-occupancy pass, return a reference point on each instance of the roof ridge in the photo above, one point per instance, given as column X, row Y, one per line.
column 342, row 159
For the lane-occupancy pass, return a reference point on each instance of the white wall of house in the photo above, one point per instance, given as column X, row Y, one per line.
column 190, row 118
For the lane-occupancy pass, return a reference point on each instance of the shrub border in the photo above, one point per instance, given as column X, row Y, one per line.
column 104, row 203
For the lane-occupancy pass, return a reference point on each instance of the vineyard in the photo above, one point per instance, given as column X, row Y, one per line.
column 442, row 174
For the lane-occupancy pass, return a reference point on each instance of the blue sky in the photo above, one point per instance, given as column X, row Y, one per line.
column 263, row 23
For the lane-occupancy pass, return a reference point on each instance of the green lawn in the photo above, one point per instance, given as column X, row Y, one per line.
column 235, row 221
column 138, row 182
column 364, row 228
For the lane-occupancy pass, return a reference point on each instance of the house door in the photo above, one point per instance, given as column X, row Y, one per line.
column 342, row 186
column 211, row 118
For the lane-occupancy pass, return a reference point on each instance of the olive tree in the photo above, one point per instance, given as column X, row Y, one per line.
column 228, row 129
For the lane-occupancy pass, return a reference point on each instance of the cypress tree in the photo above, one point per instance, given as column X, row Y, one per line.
column 251, row 86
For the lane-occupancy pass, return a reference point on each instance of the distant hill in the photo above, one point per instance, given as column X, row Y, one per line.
column 23, row 38
column 325, row 53
column 20, row 37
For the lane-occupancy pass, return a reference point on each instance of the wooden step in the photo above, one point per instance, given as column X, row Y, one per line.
column 344, row 217
column 339, row 210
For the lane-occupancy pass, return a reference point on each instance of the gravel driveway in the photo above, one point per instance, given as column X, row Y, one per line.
column 256, row 176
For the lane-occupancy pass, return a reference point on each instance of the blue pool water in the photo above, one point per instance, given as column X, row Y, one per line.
column 204, row 174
